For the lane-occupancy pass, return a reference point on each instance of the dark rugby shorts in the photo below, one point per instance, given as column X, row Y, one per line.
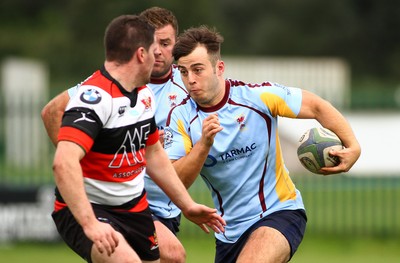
column 171, row 223
column 137, row 228
column 291, row 223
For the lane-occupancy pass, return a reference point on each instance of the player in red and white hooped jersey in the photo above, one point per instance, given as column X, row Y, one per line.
column 113, row 127
column 107, row 141
column 168, row 89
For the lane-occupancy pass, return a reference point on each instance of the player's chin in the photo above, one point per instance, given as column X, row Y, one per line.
column 159, row 70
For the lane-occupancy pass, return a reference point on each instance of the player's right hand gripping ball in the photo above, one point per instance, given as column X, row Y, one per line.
column 314, row 146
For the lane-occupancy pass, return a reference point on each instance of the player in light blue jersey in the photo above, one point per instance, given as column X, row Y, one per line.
column 167, row 86
column 226, row 131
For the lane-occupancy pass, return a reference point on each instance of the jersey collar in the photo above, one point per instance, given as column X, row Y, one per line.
column 131, row 95
column 221, row 103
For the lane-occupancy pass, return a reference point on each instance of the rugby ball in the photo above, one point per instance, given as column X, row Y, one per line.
column 314, row 146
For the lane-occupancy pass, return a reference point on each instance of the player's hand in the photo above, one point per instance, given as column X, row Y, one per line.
column 347, row 157
column 205, row 217
column 103, row 235
column 211, row 127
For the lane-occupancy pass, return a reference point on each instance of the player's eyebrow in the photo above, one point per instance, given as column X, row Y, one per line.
column 191, row 66
column 181, row 67
column 165, row 40
column 196, row 65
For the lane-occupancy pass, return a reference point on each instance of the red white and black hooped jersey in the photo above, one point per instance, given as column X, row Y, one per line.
column 113, row 126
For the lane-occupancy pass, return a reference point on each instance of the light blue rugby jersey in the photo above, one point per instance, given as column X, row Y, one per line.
column 168, row 93
column 244, row 170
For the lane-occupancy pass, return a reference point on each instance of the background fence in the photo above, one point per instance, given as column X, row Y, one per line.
column 365, row 205
column 338, row 205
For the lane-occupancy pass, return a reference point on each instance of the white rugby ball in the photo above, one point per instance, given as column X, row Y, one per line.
column 314, row 146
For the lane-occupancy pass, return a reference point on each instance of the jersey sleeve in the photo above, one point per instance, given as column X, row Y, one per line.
column 154, row 135
column 281, row 100
column 73, row 90
column 85, row 115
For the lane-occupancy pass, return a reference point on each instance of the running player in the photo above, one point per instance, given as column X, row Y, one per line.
column 168, row 90
column 107, row 140
column 226, row 131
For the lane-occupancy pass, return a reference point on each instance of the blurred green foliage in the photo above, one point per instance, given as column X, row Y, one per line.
column 68, row 35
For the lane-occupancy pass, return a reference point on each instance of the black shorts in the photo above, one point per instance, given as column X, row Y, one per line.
column 171, row 223
column 137, row 228
column 291, row 223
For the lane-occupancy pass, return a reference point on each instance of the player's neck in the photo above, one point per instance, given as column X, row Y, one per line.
column 125, row 74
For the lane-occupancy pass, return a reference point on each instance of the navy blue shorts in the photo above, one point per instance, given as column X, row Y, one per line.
column 136, row 227
column 291, row 223
column 171, row 223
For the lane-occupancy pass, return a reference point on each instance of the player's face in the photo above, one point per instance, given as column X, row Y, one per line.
column 201, row 78
column 165, row 39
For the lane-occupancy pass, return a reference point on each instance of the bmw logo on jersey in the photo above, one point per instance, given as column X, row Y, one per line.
column 91, row 96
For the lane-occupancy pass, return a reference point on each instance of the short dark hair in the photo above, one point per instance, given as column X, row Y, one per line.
column 195, row 36
column 160, row 17
column 124, row 35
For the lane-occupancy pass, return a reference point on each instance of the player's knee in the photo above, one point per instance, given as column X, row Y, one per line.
column 174, row 254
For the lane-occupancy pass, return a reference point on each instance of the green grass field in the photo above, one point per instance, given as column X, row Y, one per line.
column 201, row 250
column 352, row 209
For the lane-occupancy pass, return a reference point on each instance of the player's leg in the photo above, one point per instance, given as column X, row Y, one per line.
column 171, row 249
column 275, row 238
column 123, row 253
column 265, row 245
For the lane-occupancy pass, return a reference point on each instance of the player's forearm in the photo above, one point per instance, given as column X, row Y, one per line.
column 69, row 180
column 329, row 117
column 52, row 121
column 52, row 115
column 74, row 196
column 314, row 107
column 189, row 166
column 161, row 171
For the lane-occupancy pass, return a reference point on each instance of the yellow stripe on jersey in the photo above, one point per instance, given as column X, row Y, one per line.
column 277, row 105
column 285, row 188
column 187, row 142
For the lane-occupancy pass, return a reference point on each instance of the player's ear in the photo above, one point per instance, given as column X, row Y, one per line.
column 140, row 54
column 220, row 67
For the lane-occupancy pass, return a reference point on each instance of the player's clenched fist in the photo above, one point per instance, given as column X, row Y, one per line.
column 211, row 127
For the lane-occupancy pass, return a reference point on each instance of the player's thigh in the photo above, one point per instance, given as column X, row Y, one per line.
column 265, row 245
column 123, row 253
column 171, row 249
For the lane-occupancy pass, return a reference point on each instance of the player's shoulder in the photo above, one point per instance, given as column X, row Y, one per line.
column 176, row 79
column 98, row 80
column 244, row 91
column 239, row 85
column 175, row 70
column 270, row 87
column 185, row 108
column 145, row 91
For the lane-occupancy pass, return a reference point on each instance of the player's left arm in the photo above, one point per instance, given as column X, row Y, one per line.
column 314, row 107
column 52, row 114
column 189, row 166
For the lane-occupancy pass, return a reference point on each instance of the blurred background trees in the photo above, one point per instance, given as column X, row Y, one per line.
column 68, row 35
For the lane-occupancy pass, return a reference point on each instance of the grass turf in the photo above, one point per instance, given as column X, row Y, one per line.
column 312, row 250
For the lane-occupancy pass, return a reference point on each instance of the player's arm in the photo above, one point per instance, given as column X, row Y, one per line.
column 52, row 114
column 69, row 180
column 161, row 171
column 314, row 107
column 188, row 167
